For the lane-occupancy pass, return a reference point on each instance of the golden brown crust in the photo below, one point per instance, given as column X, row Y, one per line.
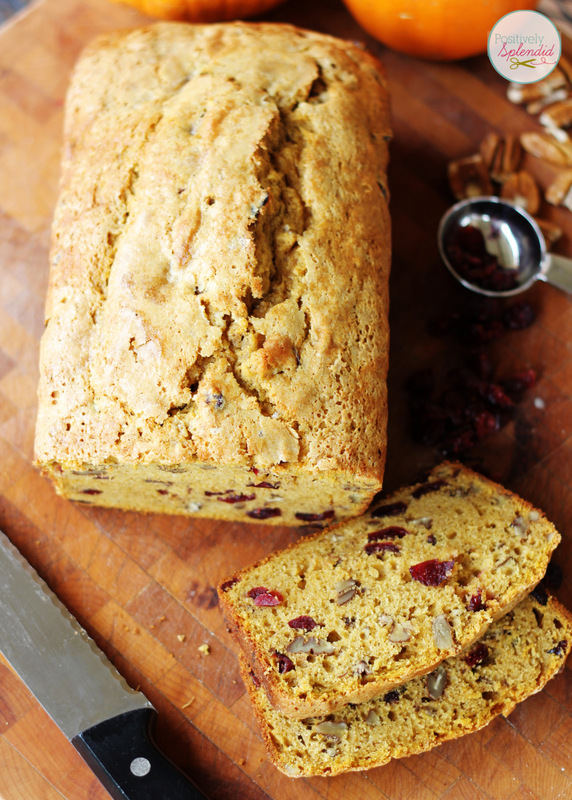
column 218, row 297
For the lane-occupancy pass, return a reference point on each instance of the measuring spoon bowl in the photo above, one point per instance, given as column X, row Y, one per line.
column 496, row 248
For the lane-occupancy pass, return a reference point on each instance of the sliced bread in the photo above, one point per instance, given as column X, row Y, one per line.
column 351, row 612
column 515, row 659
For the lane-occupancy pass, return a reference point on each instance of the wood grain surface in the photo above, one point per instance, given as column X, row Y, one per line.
column 143, row 586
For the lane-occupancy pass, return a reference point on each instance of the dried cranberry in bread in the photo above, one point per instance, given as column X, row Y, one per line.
column 515, row 659
column 348, row 613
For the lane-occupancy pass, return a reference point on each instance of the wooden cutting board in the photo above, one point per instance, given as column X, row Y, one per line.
column 143, row 586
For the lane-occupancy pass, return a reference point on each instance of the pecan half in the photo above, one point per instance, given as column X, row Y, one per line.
column 469, row 177
column 546, row 147
column 529, row 92
column 556, row 117
column 522, row 189
column 501, row 154
column 558, row 191
column 550, row 230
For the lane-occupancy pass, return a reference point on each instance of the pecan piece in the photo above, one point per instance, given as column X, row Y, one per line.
column 558, row 191
column 556, row 117
column 468, row 177
column 442, row 633
column 549, row 229
column 436, row 682
column 332, row 729
column 536, row 106
column 546, row 147
column 522, row 189
column 529, row 92
column 502, row 155
column 345, row 591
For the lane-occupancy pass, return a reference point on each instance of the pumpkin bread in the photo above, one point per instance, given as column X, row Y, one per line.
column 351, row 612
column 515, row 659
column 215, row 180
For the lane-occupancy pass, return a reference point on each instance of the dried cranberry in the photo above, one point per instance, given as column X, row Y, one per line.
column 454, row 402
column 518, row 316
column 303, row 623
column 478, row 333
column 477, row 602
column 381, row 547
column 477, row 655
column 431, row 539
column 467, row 242
column 283, row 662
column 213, row 494
column 93, row 491
column 254, row 592
column 393, row 532
column 432, row 572
column 559, row 648
column 390, row 510
column 540, row 594
column 254, row 679
column 264, row 513
column 480, row 364
column 519, row 382
column 162, row 491
column 224, row 587
column 428, row 488
column 305, row 517
column 485, row 423
column 457, row 442
column 498, row 398
column 265, row 597
column 391, row 697
column 503, row 280
column 265, row 485
column 236, row 498
column 270, row 599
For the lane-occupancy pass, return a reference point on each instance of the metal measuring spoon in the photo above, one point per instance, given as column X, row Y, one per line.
column 513, row 250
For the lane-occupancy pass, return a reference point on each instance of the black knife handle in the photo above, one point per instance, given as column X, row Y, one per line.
column 121, row 752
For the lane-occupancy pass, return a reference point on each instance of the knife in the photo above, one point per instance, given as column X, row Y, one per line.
column 109, row 723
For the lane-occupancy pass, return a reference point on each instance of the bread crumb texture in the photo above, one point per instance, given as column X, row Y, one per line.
column 348, row 613
column 218, row 280
column 515, row 659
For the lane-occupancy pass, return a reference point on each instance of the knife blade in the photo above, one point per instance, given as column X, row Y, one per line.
column 108, row 722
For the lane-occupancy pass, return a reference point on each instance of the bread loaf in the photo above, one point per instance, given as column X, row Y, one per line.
column 515, row 659
column 349, row 613
column 216, row 337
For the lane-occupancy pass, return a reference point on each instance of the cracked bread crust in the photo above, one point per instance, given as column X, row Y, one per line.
column 358, row 609
column 515, row 659
column 218, row 283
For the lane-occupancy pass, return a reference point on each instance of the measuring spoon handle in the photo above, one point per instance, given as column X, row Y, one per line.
column 558, row 272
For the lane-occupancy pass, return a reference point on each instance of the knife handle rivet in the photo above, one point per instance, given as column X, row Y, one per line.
column 140, row 767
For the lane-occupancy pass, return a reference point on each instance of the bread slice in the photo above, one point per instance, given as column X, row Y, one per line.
column 351, row 612
column 515, row 659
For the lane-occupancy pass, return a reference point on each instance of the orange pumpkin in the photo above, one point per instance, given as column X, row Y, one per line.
column 203, row 10
column 440, row 30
